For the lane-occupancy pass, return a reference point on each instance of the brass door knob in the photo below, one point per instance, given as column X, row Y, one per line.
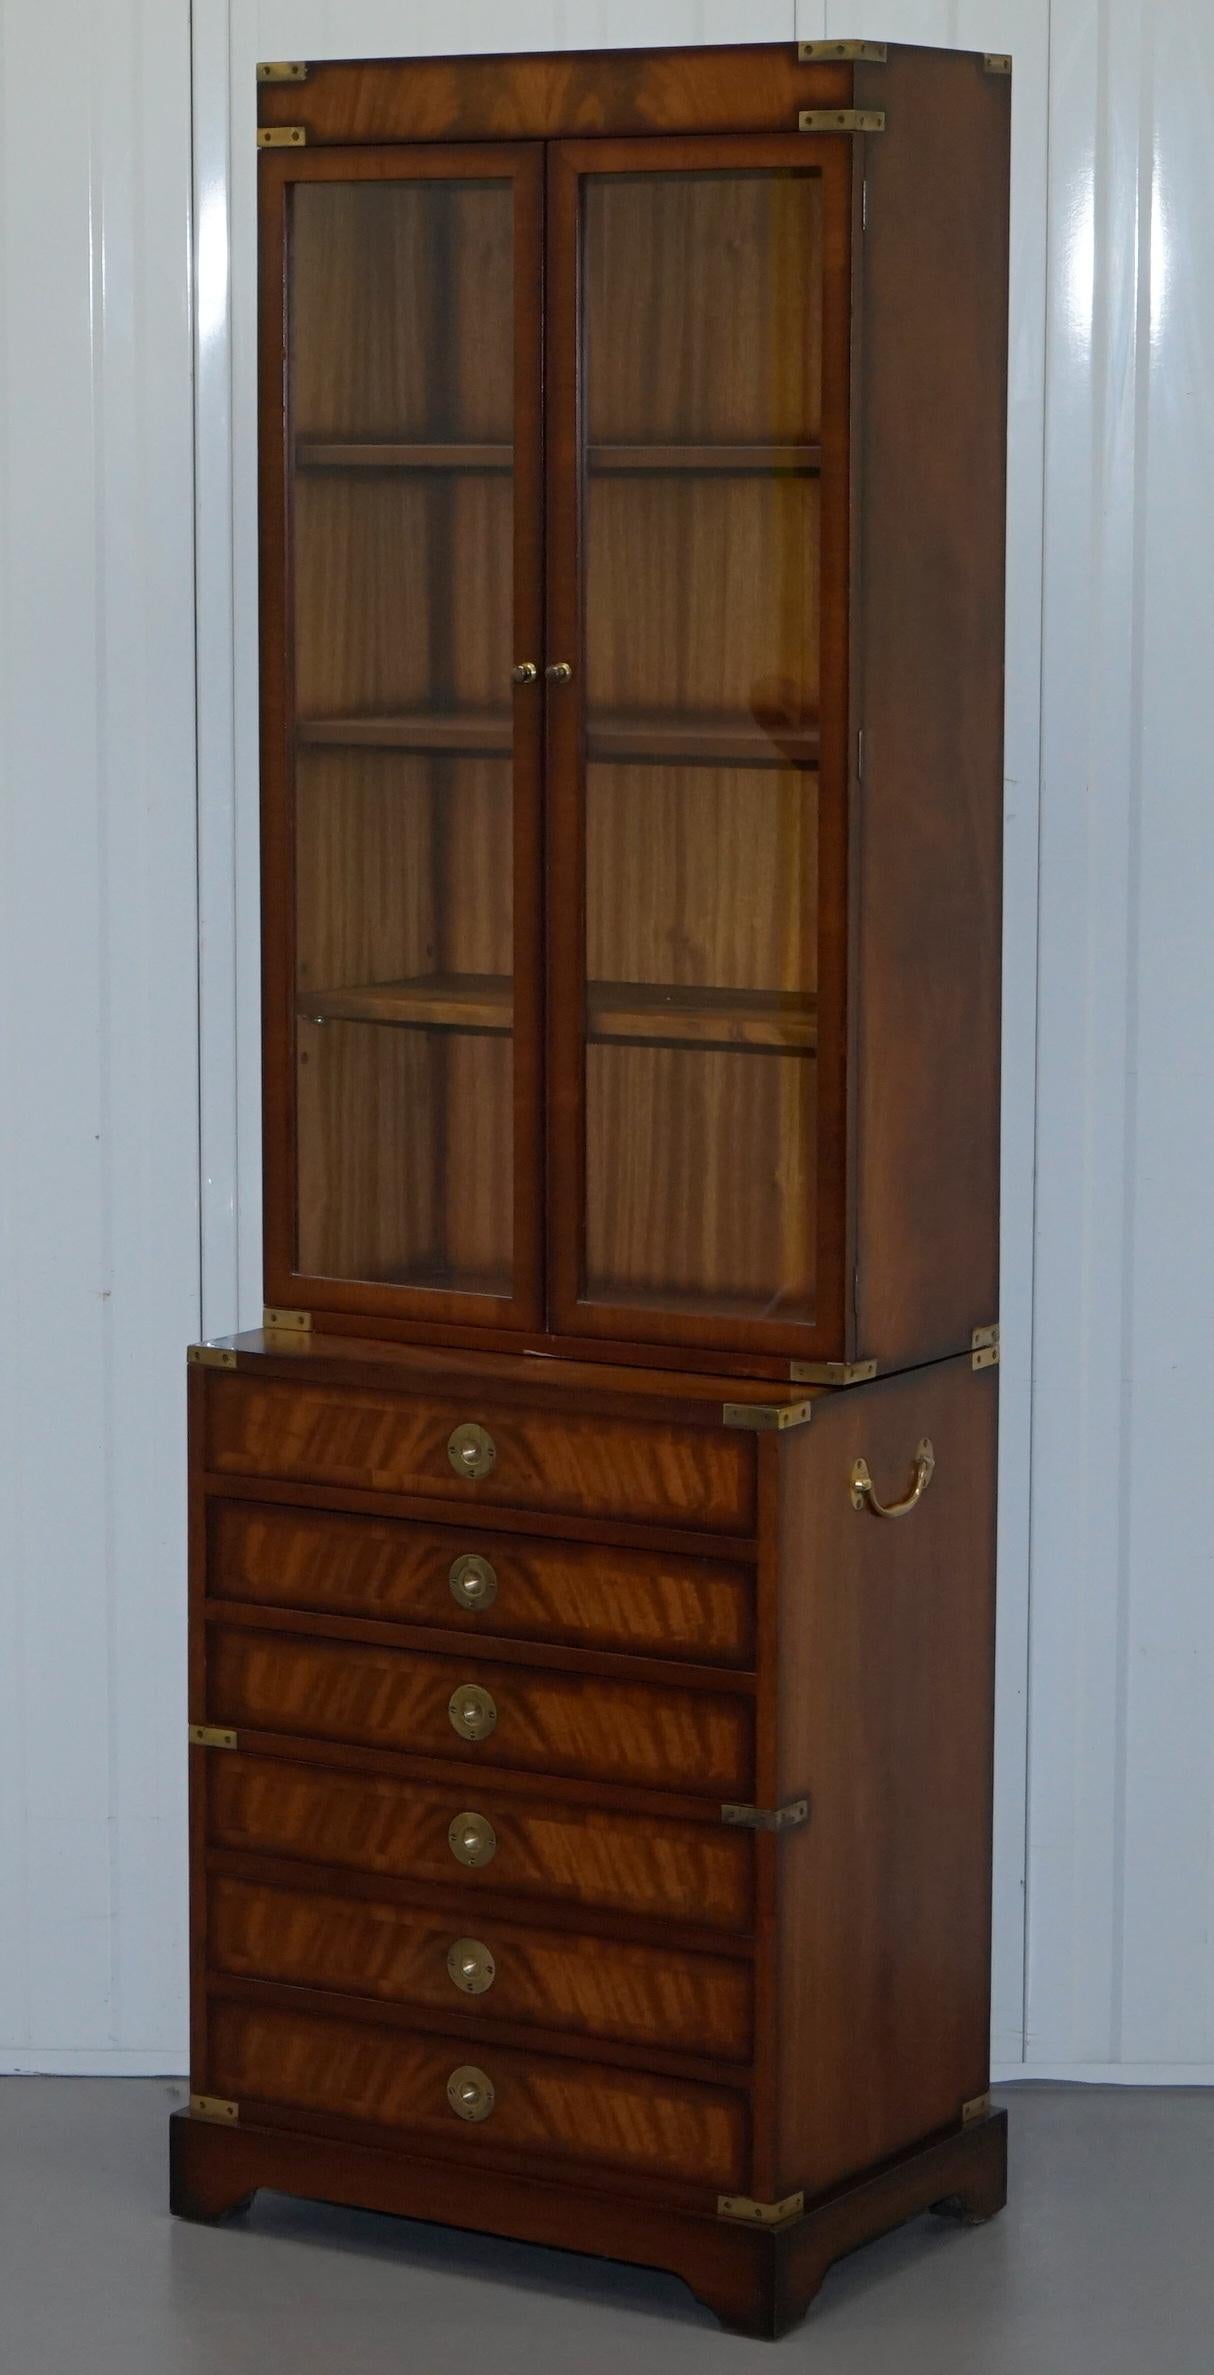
column 470, row 2092
column 471, row 1966
column 471, row 1450
column 472, row 1839
column 558, row 672
column 473, row 1581
column 524, row 672
column 472, row 1711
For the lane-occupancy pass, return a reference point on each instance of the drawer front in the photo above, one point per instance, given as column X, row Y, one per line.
column 555, row 2109
column 541, row 1722
column 575, row 1592
column 691, row 1872
column 410, row 1955
column 398, row 1443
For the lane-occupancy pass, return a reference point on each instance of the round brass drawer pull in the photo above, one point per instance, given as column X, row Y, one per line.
column 471, row 1451
column 473, row 1581
column 863, row 1495
column 470, row 2092
column 471, row 1966
column 472, row 1711
column 473, row 1839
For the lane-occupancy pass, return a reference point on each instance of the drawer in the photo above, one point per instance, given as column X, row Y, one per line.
column 411, row 1955
column 509, row 1584
column 541, row 2105
column 375, row 1441
column 699, row 1873
column 525, row 1718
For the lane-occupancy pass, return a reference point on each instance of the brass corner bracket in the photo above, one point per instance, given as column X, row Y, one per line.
column 760, row 2214
column 841, row 119
column 767, row 1818
column 831, row 1372
column 210, row 1736
column 984, row 1348
column 214, row 2107
column 285, row 1323
column 282, row 70
column 281, row 136
column 764, row 1417
column 977, row 2108
column 996, row 62
column 211, row 1356
column 870, row 53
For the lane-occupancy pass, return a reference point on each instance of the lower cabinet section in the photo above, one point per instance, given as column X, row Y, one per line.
column 438, row 2087
column 409, row 1955
column 482, row 1841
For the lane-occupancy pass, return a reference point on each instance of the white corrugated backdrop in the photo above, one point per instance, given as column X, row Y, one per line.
column 129, row 1186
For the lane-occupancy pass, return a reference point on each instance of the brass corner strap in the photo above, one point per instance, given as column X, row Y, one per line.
column 210, row 1736
column 282, row 70
column 211, row 1356
column 870, row 53
column 831, row 1372
column 760, row 2214
column 767, row 1818
column 764, row 1417
column 984, row 1348
column 276, row 1322
column 281, row 136
column 977, row 2108
column 214, row 2107
column 996, row 62
column 841, row 119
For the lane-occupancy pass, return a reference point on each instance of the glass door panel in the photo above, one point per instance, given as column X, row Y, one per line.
column 411, row 755
column 691, row 743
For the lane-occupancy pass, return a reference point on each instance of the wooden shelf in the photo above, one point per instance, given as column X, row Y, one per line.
column 323, row 453
column 478, row 732
column 667, row 1015
column 717, row 458
column 658, row 1014
column 702, row 741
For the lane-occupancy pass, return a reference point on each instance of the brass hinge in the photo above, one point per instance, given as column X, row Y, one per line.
column 760, row 1417
column 767, row 1818
column 286, row 1323
column 760, row 2214
column 976, row 2109
column 281, row 136
column 211, row 1356
column 282, row 70
column 841, row 119
column 996, row 62
column 872, row 52
column 831, row 1372
column 214, row 2107
column 984, row 1347
column 210, row 1736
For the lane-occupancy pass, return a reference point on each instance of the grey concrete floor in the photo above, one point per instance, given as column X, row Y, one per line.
column 1102, row 2264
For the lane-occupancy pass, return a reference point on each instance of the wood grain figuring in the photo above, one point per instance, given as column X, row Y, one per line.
column 758, row 87
column 368, row 1206
column 548, row 1853
column 885, row 1716
column 546, row 1722
column 591, row 1596
column 398, row 1444
column 611, row 2118
column 932, row 431
column 592, row 1987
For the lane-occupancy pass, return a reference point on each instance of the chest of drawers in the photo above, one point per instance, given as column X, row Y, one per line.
column 579, row 1843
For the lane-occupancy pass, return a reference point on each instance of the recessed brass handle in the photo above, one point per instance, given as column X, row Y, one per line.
column 864, row 1497
column 470, row 2092
column 524, row 672
column 472, row 1711
column 471, row 1966
column 471, row 1450
column 472, row 1839
column 473, row 1581
column 558, row 671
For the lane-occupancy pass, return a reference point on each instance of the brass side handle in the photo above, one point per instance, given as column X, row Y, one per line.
column 558, row 672
column 863, row 1495
column 524, row 672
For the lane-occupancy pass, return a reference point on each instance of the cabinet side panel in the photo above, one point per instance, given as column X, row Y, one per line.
column 929, row 702
column 886, row 1722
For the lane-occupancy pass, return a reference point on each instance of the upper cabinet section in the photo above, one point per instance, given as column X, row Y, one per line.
column 632, row 624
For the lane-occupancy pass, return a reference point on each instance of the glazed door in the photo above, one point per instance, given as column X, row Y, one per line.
column 402, row 844
column 697, row 376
